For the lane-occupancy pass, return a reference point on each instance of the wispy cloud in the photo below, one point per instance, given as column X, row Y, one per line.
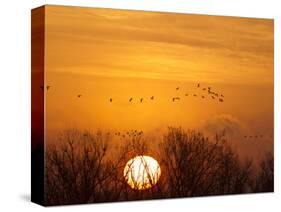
column 139, row 42
column 224, row 122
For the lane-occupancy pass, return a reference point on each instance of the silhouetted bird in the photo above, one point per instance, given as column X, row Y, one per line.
column 176, row 98
column 245, row 136
column 198, row 85
column 186, row 94
column 221, row 100
column 79, row 95
column 42, row 87
column 222, row 95
column 203, row 97
column 130, row 99
column 152, row 97
column 110, row 99
column 141, row 100
column 204, row 89
column 213, row 97
column 177, row 88
column 194, row 95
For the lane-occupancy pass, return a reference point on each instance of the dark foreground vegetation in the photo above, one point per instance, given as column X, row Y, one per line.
column 87, row 167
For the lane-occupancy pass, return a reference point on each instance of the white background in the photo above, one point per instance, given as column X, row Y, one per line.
column 15, row 104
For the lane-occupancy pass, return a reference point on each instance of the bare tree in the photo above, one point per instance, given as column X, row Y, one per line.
column 196, row 166
column 135, row 145
column 81, row 168
column 76, row 169
column 264, row 181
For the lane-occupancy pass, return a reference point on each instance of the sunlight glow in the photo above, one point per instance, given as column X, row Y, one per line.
column 142, row 172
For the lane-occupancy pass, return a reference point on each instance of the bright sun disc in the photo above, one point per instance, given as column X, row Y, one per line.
column 142, row 172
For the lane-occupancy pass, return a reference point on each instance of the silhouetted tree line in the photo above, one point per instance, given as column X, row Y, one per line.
column 83, row 168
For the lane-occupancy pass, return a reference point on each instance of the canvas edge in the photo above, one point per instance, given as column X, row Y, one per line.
column 37, row 104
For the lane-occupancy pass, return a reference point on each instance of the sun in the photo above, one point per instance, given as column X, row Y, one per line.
column 142, row 172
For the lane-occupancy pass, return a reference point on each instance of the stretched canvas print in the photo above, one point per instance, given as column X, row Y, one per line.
column 134, row 105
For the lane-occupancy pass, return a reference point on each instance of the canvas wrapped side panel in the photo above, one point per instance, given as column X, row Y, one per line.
column 37, row 104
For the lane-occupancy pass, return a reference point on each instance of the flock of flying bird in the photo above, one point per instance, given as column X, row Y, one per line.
column 132, row 133
column 208, row 90
column 253, row 136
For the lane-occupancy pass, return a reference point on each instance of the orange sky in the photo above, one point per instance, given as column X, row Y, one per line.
column 102, row 54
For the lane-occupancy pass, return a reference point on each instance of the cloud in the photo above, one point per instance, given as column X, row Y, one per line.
column 156, row 45
column 235, row 130
column 224, row 122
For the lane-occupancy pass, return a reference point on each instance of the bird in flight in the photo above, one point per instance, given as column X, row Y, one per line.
column 186, row 94
column 131, row 99
column 47, row 87
column 222, row 95
column 177, row 88
column 204, row 89
column 203, row 97
column 141, row 100
column 198, row 85
column 176, row 98
column 152, row 97
column 221, row 100
column 79, row 95
column 194, row 95
column 110, row 99
column 213, row 97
